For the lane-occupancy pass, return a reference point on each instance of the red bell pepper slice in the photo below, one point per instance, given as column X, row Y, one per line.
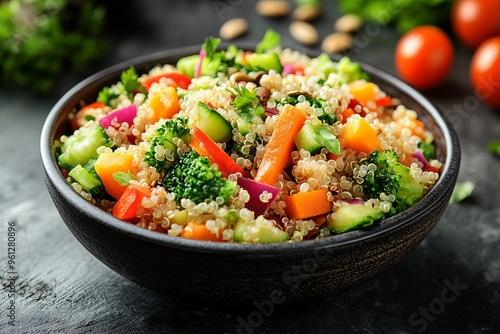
column 430, row 168
column 130, row 201
column 181, row 80
column 385, row 101
column 206, row 147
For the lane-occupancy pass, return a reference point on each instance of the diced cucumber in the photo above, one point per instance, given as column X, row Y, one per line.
column 82, row 145
column 243, row 126
column 313, row 137
column 213, row 124
column 89, row 181
column 264, row 62
column 266, row 235
column 354, row 216
column 305, row 139
column 187, row 65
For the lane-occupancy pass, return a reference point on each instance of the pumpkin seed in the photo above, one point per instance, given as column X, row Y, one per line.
column 307, row 13
column 337, row 42
column 233, row 28
column 304, row 32
column 273, row 8
column 349, row 23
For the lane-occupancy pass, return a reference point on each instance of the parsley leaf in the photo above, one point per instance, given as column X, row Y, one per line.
column 247, row 102
column 129, row 79
column 130, row 85
column 210, row 46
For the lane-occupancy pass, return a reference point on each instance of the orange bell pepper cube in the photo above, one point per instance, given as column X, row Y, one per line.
column 364, row 92
column 359, row 135
column 109, row 163
column 165, row 104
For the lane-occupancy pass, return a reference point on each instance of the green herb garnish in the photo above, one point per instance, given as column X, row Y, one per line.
column 210, row 46
column 247, row 103
column 123, row 178
column 462, row 191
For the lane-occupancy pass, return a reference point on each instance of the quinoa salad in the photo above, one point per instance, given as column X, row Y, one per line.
column 261, row 146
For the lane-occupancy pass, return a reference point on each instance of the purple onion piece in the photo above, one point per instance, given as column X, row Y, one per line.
column 288, row 69
column 203, row 54
column 120, row 116
column 269, row 111
column 255, row 189
column 420, row 157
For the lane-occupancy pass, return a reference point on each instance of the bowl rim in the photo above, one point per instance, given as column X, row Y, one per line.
column 446, row 180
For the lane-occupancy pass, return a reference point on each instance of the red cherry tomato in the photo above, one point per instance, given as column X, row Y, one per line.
column 424, row 56
column 485, row 71
column 474, row 21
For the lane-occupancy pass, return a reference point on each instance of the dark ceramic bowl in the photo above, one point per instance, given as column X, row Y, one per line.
column 232, row 272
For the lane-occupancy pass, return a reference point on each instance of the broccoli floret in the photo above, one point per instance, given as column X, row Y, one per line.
column 165, row 134
column 345, row 69
column 349, row 71
column 82, row 145
column 392, row 178
column 193, row 177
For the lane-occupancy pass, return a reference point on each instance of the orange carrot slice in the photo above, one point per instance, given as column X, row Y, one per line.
column 348, row 112
column 308, row 204
column 280, row 145
column 199, row 231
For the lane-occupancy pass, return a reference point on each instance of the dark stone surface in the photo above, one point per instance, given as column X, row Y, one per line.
column 449, row 284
